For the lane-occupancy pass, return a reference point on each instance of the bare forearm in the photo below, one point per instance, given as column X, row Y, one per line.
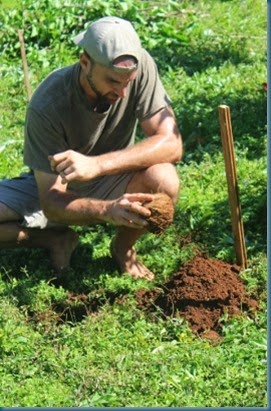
column 65, row 208
column 153, row 150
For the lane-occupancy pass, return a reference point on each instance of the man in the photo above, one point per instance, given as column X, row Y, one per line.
column 79, row 145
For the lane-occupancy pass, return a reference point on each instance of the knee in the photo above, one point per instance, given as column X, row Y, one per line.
column 161, row 178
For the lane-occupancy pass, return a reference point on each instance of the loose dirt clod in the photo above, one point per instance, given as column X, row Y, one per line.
column 201, row 292
column 162, row 212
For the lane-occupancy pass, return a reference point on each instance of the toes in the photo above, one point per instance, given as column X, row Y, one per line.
column 142, row 273
column 129, row 264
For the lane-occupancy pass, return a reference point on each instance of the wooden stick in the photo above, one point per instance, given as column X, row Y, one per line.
column 25, row 68
column 229, row 158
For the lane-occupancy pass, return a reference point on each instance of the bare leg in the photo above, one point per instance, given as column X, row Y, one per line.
column 59, row 242
column 122, row 249
column 158, row 178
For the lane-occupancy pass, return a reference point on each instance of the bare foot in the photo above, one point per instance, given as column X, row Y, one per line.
column 128, row 262
column 61, row 248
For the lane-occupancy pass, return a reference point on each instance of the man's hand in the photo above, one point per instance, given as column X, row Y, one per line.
column 74, row 166
column 128, row 210
column 61, row 206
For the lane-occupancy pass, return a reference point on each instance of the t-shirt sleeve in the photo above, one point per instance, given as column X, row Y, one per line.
column 42, row 138
column 151, row 94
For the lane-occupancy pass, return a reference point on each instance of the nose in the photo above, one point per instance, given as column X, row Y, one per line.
column 121, row 91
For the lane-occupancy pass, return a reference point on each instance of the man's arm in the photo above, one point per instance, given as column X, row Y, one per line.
column 162, row 145
column 61, row 206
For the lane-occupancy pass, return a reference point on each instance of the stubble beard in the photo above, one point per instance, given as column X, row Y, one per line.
column 101, row 99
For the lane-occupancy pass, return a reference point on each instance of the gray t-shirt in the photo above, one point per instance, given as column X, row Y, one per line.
column 60, row 117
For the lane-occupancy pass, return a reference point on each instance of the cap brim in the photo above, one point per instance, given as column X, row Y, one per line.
column 78, row 39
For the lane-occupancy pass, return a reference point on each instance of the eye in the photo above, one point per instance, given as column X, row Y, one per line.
column 113, row 81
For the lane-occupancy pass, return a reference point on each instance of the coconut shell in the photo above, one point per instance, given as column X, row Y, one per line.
column 162, row 213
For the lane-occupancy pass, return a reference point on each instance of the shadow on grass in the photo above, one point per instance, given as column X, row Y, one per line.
column 26, row 270
column 34, row 264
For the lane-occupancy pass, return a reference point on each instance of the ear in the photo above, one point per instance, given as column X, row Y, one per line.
column 85, row 62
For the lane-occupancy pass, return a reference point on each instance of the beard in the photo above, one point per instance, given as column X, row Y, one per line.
column 92, row 84
column 103, row 100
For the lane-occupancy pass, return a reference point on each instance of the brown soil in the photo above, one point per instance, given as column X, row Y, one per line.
column 201, row 292
column 162, row 212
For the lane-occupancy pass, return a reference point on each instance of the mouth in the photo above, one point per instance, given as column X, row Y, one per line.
column 112, row 97
column 112, row 100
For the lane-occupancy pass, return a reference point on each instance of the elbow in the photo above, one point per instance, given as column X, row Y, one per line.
column 177, row 148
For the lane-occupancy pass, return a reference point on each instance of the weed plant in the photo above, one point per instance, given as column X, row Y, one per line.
column 209, row 52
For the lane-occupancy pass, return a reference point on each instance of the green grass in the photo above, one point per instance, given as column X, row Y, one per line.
column 118, row 358
column 9, row 4
column 209, row 53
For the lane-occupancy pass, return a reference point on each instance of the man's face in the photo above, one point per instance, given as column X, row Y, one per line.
column 108, row 85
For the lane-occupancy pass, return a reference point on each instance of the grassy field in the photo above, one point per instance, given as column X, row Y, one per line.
column 209, row 52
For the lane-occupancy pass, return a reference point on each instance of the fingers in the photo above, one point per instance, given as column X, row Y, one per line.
column 133, row 220
column 59, row 156
column 137, row 208
column 53, row 162
column 64, row 177
column 139, row 197
column 60, row 163
column 132, row 213
column 60, row 166
column 134, row 203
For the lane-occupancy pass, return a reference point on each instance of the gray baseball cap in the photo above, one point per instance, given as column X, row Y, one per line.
column 109, row 38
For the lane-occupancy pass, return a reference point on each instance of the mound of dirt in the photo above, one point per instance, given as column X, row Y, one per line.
column 201, row 292
column 162, row 212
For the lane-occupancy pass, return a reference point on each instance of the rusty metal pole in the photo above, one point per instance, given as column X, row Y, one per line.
column 230, row 166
